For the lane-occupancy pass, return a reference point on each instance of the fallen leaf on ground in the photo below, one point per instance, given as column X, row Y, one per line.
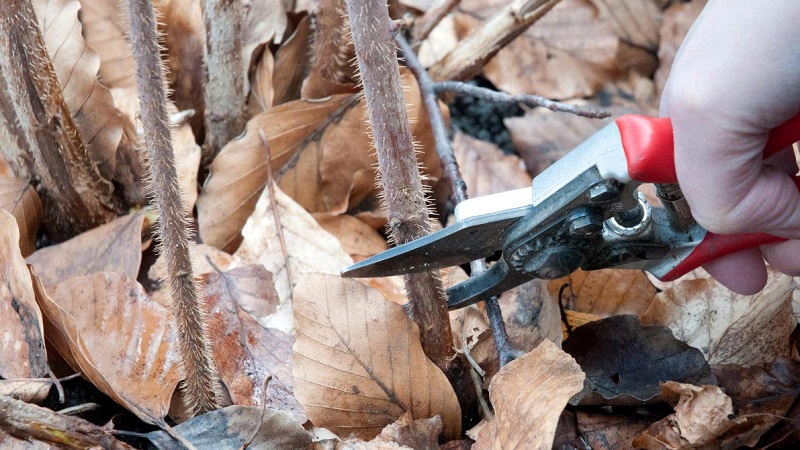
column 485, row 169
column 106, row 30
column 530, row 315
column 29, row 390
column 625, row 362
column 358, row 363
column 20, row 199
column 634, row 21
column 113, row 247
column 108, row 329
column 76, row 65
column 245, row 352
column 261, row 91
column 200, row 254
column 22, row 352
column 419, row 434
column 606, row 292
column 288, row 78
column 611, row 430
column 568, row 53
column 704, row 418
column 678, row 18
column 532, row 389
column 770, row 388
column 232, row 427
column 729, row 328
column 358, row 239
column 287, row 241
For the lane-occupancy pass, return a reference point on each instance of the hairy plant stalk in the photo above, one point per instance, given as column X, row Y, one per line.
column 470, row 55
column 200, row 380
column 399, row 171
column 225, row 98
column 43, row 143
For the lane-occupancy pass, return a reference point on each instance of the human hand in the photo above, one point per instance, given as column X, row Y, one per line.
column 737, row 76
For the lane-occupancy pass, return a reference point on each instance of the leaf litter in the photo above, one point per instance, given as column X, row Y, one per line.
column 310, row 360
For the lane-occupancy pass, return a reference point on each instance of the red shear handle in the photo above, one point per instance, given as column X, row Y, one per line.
column 650, row 151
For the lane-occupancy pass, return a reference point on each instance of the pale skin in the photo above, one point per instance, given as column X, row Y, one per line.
column 737, row 76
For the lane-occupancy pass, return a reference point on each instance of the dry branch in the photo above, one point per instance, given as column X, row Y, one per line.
column 397, row 161
column 428, row 21
column 468, row 58
column 45, row 145
column 200, row 380
column 225, row 98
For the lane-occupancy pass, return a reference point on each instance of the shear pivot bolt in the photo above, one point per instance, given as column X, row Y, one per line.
column 604, row 192
column 585, row 225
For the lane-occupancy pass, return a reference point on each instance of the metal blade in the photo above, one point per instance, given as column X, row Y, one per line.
column 467, row 240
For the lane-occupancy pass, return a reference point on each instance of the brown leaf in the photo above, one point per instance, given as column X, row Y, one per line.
column 29, row 390
column 635, row 22
column 528, row 395
column 233, row 426
column 286, row 240
column 485, row 169
column 567, row 53
column 625, row 361
column 611, row 430
column 358, row 363
column 289, row 71
column 358, row 239
column 678, row 18
column 261, row 81
column 76, row 66
column 704, row 419
column 200, row 254
column 22, row 352
column 113, row 247
column 245, row 352
column 106, row 30
column 420, row 434
column 20, row 199
column 770, row 388
column 606, row 292
column 264, row 21
column 729, row 328
column 107, row 328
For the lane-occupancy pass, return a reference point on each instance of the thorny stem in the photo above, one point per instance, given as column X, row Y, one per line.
column 200, row 381
column 224, row 79
column 408, row 212
column 425, row 24
column 459, row 87
column 459, row 189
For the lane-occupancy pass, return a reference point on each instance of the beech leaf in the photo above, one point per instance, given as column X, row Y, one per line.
column 727, row 327
column 20, row 199
column 605, row 292
column 485, row 169
column 106, row 30
column 76, row 66
column 358, row 362
column 634, row 21
column 22, row 352
column 108, row 329
column 528, row 395
column 113, row 247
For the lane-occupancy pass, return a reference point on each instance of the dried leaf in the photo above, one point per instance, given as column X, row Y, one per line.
column 22, row 352
column 113, row 247
column 358, row 239
column 20, row 199
column 485, row 169
column 568, row 53
column 107, row 328
column 770, row 388
column 289, row 71
column 233, row 426
column 76, row 66
column 358, row 363
column 530, row 315
column 625, row 361
column 729, row 328
column 287, row 241
column 634, row 21
column 264, row 21
column 606, row 292
column 531, row 390
column 106, row 30
column 678, row 18
column 245, row 352
column 261, row 91
column 420, row 434
column 29, row 390
column 611, row 430
column 704, row 419
column 200, row 254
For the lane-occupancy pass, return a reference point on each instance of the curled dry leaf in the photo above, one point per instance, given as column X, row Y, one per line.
column 704, row 419
column 108, row 329
column 358, row 362
column 528, row 395
column 233, row 426
column 245, row 352
column 770, row 388
column 20, row 199
column 287, row 241
column 678, row 18
column 729, row 328
column 419, row 434
column 106, row 30
column 625, row 362
column 261, row 91
column 289, row 70
column 113, row 247
column 602, row 430
column 76, row 66
column 22, row 352
column 605, row 292
column 568, row 53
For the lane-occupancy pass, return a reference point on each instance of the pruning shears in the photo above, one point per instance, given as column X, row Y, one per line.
column 584, row 212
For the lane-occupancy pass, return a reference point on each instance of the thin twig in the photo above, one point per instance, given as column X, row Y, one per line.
column 274, row 202
column 525, row 99
column 428, row 21
column 486, row 410
column 78, row 409
column 458, row 189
